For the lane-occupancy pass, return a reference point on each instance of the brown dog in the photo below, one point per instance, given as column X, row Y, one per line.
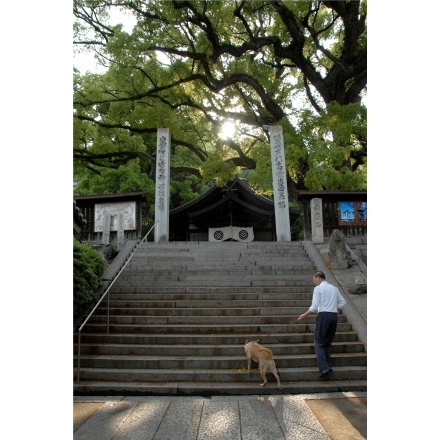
column 264, row 358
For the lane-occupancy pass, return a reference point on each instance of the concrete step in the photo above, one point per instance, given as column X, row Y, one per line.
column 193, row 260
column 212, row 292
column 222, row 339
column 130, row 303
column 182, row 281
column 228, row 376
column 302, row 279
column 203, row 246
column 161, row 271
column 238, row 374
column 257, row 323
column 208, row 349
column 214, row 388
column 199, row 329
column 236, row 317
column 211, row 309
column 186, row 362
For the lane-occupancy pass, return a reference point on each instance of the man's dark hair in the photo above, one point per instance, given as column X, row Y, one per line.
column 320, row 274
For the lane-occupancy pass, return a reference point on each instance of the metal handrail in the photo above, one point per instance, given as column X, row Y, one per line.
column 108, row 300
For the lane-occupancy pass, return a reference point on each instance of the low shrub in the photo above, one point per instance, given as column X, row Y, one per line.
column 88, row 269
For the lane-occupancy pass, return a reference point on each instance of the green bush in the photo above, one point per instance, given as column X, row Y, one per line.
column 88, row 268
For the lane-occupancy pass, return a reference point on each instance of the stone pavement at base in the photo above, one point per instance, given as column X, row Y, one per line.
column 335, row 416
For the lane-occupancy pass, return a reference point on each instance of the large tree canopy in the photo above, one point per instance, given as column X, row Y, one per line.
column 193, row 65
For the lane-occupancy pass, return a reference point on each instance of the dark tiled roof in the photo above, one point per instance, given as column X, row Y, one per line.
column 120, row 196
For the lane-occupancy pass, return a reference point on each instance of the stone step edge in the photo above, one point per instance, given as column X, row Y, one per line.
column 108, row 388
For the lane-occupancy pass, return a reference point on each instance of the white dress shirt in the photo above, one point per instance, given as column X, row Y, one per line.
column 326, row 298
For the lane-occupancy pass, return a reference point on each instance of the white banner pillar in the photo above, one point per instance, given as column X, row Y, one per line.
column 317, row 220
column 162, row 200
column 106, row 227
column 279, row 181
column 121, row 234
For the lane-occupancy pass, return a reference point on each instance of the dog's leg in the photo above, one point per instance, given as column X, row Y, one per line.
column 273, row 370
column 263, row 370
column 278, row 380
column 249, row 364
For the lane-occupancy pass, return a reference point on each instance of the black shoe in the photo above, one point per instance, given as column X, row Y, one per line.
column 326, row 374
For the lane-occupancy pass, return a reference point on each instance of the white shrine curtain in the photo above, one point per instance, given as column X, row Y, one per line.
column 237, row 233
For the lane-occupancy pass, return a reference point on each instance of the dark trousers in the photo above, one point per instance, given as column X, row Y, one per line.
column 326, row 323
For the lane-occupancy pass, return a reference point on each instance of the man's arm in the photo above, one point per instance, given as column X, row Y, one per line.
column 304, row 315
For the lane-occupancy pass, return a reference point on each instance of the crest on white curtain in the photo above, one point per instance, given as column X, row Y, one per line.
column 237, row 233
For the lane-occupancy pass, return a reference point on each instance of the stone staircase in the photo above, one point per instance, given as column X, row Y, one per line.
column 180, row 314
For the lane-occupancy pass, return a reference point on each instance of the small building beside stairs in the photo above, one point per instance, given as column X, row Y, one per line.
column 92, row 208
column 343, row 210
